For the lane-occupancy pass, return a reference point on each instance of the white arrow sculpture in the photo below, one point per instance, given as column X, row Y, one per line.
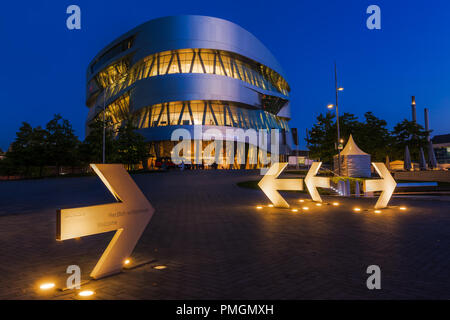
column 269, row 184
column 312, row 182
column 386, row 184
column 128, row 217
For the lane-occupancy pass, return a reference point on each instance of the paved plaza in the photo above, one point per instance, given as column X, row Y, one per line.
column 216, row 245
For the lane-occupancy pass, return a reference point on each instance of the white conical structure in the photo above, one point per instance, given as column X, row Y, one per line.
column 354, row 161
column 352, row 149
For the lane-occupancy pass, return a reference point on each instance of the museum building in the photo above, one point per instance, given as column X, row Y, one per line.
column 185, row 71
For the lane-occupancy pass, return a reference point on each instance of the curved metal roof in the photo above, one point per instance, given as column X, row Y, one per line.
column 194, row 31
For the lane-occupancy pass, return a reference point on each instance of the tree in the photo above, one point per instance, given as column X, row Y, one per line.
column 131, row 146
column 348, row 124
column 29, row 149
column 373, row 137
column 39, row 155
column 7, row 167
column 411, row 134
column 62, row 144
column 322, row 138
column 20, row 153
column 91, row 150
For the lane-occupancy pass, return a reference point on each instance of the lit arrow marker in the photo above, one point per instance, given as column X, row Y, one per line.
column 386, row 184
column 128, row 217
column 312, row 182
column 269, row 184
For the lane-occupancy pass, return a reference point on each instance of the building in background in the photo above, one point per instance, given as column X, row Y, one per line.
column 441, row 147
column 300, row 158
column 181, row 71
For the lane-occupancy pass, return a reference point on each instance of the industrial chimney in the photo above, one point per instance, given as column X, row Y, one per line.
column 427, row 124
column 413, row 109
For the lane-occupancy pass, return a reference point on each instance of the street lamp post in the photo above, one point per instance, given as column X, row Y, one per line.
column 104, row 125
column 330, row 106
column 104, row 122
column 107, row 87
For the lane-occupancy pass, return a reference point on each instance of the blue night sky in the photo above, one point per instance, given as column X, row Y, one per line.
column 44, row 63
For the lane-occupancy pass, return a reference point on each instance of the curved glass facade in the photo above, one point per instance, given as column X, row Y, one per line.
column 213, row 113
column 118, row 76
column 195, row 71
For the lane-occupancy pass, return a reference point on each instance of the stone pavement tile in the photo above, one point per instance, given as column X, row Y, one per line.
column 216, row 245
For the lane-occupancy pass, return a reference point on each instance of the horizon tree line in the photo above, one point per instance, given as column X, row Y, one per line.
column 371, row 135
column 56, row 145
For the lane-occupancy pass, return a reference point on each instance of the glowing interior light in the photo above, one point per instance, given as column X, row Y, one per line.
column 305, row 208
column 301, row 200
column 259, row 207
column 127, row 261
column 377, row 211
column 356, row 209
column 46, row 286
column 86, row 293
column 270, row 205
column 294, row 210
column 403, row 208
column 318, row 204
column 159, row 267
column 335, row 204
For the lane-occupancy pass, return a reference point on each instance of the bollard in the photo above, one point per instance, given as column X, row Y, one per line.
column 341, row 187
column 357, row 189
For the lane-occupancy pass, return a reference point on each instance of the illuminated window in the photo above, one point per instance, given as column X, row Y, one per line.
column 118, row 76
column 118, row 110
column 216, row 113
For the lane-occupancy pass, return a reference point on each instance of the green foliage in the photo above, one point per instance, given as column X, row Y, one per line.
column 411, row 134
column 130, row 145
column 371, row 135
column 61, row 143
column 335, row 180
column 57, row 145
column 91, row 150
column 7, row 168
column 28, row 150
column 323, row 136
